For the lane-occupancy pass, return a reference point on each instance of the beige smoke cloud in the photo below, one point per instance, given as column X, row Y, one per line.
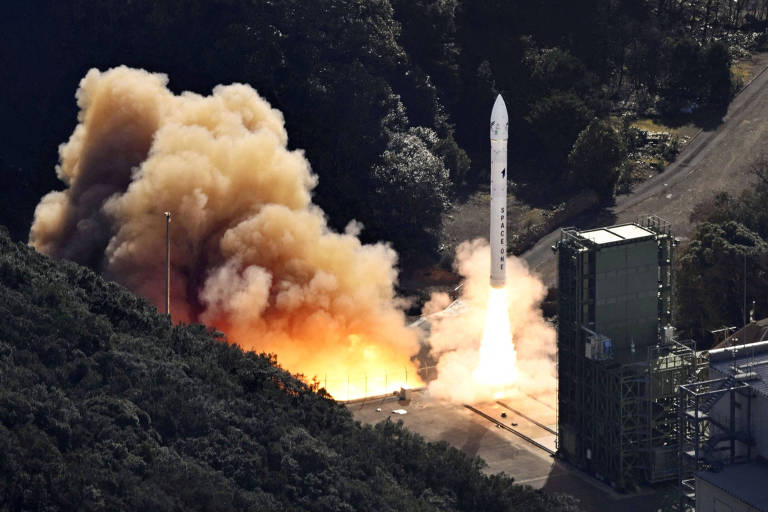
column 455, row 337
column 250, row 252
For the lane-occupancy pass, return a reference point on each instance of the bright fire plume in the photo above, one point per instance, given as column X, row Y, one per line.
column 250, row 253
column 473, row 344
column 497, row 365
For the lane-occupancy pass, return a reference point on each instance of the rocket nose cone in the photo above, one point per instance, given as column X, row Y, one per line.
column 499, row 119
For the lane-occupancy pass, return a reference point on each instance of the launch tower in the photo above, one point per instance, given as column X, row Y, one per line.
column 619, row 365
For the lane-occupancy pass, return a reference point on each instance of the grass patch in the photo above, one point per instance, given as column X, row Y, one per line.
column 654, row 126
column 655, row 163
column 742, row 72
column 746, row 69
column 533, row 218
column 649, row 125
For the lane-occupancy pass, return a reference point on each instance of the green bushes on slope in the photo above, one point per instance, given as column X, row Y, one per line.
column 355, row 77
column 732, row 234
column 105, row 406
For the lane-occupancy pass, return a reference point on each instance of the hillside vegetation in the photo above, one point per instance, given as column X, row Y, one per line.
column 389, row 98
column 105, row 406
column 730, row 244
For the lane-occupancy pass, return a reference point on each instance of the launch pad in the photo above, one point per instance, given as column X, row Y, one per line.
column 502, row 450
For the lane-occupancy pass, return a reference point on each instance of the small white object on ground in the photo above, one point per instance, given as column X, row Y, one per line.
column 399, row 411
column 378, row 409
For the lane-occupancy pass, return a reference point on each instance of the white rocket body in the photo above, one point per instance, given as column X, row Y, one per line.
column 499, row 136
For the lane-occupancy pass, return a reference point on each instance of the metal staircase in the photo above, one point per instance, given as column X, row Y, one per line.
column 702, row 435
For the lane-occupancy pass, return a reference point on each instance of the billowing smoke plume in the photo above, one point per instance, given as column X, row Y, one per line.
column 250, row 253
column 455, row 336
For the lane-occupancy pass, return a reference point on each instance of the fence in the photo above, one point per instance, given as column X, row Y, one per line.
column 368, row 385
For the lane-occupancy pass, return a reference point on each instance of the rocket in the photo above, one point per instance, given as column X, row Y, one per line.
column 499, row 129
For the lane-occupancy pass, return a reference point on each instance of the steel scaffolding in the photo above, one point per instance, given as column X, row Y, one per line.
column 709, row 433
column 618, row 415
column 670, row 366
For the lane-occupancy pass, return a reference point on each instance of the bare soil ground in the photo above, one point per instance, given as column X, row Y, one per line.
column 468, row 220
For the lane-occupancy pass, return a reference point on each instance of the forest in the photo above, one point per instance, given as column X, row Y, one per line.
column 106, row 406
column 389, row 98
column 722, row 273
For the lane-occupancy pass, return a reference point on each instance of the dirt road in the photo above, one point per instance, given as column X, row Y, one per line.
column 715, row 160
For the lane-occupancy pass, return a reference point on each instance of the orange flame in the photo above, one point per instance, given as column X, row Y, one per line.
column 348, row 366
column 250, row 254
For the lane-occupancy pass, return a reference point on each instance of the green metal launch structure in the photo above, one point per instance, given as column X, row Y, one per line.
column 619, row 363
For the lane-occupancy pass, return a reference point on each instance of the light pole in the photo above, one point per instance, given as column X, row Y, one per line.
column 168, row 264
column 744, row 312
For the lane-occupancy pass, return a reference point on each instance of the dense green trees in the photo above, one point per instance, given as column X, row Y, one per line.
column 710, row 282
column 106, row 406
column 555, row 121
column 335, row 68
column 693, row 74
column 716, row 74
column 412, row 183
column 709, row 292
column 593, row 162
column 351, row 74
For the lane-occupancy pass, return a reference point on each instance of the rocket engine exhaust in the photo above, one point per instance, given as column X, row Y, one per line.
column 499, row 344
column 498, row 238
column 249, row 253
column 496, row 367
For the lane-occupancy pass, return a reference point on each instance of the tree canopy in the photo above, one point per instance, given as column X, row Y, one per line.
column 710, row 281
column 595, row 157
column 353, row 77
column 106, row 406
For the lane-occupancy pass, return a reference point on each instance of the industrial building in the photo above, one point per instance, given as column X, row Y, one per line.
column 723, row 424
column 619, row 364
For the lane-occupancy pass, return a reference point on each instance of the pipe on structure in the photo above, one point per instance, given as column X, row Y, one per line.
column 168, row 263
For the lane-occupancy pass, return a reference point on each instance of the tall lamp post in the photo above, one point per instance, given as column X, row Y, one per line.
column 168, row 264
column 744, row 309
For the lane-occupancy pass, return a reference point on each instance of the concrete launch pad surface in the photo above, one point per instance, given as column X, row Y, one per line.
column 502, row 450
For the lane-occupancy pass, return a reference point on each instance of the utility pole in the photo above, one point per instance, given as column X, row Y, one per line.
column 745, row 288
column 168, row 264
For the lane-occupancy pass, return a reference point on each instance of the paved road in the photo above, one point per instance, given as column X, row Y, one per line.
column 715, row 160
